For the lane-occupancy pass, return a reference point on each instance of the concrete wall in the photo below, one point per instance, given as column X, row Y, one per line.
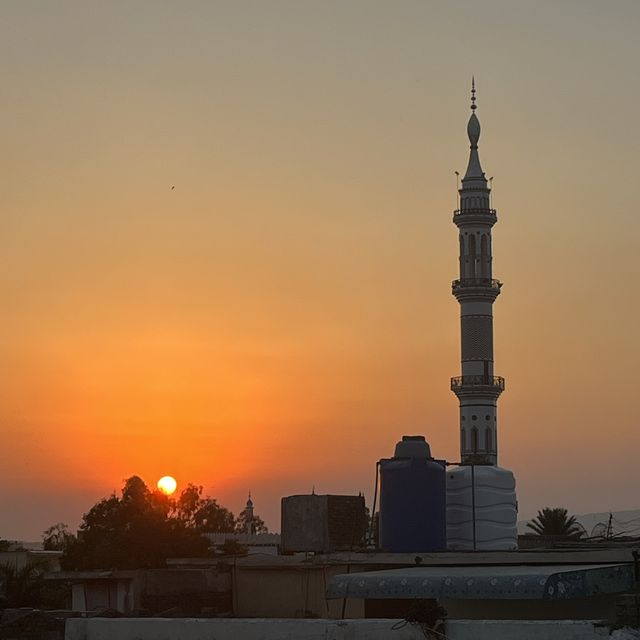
column 190, row 590
column 525, row 630
column 273, row 629
column 194, row 592
column 295, row 592
column 95, row 595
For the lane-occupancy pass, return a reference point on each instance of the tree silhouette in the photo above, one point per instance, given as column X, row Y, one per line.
column 57, row 537
column 138, row 530
column 257, row 522
column 202, row 514
column 555, row 521
column 232, row 547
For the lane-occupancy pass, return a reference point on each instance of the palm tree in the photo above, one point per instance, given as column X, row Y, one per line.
column 22, row 586
column 556, row 521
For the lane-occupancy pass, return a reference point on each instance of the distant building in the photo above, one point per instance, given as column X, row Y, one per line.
column 264, row 543
column 183, row 591
column 20, row 558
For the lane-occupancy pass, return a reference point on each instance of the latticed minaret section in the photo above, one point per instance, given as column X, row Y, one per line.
column 476, row 290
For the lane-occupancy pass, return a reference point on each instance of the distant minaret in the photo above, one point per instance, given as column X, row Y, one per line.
column 477, row 389
column 249, row 516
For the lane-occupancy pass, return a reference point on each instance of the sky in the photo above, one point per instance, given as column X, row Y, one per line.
column 226, row 245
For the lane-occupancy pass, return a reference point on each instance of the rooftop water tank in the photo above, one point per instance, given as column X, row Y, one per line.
column 323, row 523
column 412, row 499
column 482, row 509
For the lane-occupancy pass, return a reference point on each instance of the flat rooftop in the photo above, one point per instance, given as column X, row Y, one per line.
column 380, row 560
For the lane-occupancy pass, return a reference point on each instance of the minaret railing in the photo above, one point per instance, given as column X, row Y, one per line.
column 476, row 282
column 475, row 210
column 483, row 216
column 497, row 382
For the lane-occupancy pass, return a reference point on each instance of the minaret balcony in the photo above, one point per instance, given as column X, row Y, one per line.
column 474, row 287
column 463, row 385
column 475, row 216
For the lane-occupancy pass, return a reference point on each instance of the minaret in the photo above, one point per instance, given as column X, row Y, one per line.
column 248, row 510
column 477, row 388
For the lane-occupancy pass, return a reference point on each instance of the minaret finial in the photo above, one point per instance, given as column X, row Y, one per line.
column 474, row 170
column 473, row 93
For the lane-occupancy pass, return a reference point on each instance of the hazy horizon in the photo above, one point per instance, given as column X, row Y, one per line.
column 227, row 245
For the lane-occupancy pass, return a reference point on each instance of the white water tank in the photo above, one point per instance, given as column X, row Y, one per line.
column 482, row 509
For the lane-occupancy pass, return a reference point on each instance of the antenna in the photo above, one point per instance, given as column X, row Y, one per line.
column 457, row 190
column 491, row 192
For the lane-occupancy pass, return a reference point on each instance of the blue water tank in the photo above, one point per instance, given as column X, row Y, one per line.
column 412, row 499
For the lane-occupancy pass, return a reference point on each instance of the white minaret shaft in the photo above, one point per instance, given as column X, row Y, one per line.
column 477, row 388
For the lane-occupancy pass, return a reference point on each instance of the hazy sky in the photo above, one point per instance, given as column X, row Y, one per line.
column 283, row 315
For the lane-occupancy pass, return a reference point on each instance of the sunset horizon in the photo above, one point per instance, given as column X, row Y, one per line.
column 230, row 264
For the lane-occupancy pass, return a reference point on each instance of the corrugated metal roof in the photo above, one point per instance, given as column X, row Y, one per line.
column 555, row 582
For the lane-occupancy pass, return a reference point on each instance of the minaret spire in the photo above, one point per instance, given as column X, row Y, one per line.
column 473, row 94
column 474, row 172
column 476, row 290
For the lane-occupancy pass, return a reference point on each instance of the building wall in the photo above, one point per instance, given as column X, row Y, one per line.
column 193, row 592
column 292, row 592
column 95, row 595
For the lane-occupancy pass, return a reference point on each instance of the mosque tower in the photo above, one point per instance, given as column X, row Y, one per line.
column 476, row 290
column 482, row 506
column 248, row 510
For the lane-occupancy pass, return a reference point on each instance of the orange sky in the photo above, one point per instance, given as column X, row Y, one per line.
column 280, row 318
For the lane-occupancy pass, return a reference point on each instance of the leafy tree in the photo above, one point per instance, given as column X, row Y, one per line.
column 134, row 531
column 188, row 504
column 5, row 545
column 57, row 537
column 243, row 520
column 555, row 522
column 203, row 514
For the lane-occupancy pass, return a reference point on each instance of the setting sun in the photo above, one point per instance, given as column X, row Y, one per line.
column 167, row 485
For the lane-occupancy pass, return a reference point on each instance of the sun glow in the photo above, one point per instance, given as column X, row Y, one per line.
column 167, row 485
